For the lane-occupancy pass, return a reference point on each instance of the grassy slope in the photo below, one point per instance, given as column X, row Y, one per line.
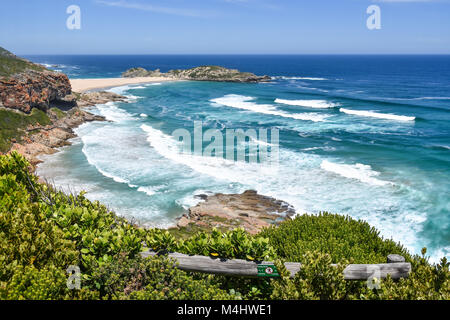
column 13, row 124
column 11, row 64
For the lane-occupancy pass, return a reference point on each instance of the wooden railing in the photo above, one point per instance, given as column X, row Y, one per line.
column 396, row 267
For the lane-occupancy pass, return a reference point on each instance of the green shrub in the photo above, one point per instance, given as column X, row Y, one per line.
column 316, row 280
column 339, row 236
column 425, row 282
column 153, row 278
column 234, row 244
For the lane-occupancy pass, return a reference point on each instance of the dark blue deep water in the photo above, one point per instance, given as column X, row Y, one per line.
column 367, row 136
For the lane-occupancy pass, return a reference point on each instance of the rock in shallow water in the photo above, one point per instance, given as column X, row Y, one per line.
column 248, row 210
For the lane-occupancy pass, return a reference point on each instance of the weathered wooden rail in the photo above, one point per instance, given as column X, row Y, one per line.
column 396, row 267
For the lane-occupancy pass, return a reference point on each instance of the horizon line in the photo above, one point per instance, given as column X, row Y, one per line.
column 229, row 54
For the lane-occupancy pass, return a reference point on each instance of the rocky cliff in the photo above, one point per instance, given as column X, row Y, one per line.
column 25, row 85
column 38, row 109
column 40, row 89
column 203, row 73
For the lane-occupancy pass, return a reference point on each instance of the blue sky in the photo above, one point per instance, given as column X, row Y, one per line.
column 225, row 27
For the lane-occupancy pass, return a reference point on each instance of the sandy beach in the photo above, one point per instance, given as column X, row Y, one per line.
column 82, row 85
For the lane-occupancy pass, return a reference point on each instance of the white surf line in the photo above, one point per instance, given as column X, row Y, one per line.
column 243, row 102
column 361, row 172
column 318, row 104
column 372, row 114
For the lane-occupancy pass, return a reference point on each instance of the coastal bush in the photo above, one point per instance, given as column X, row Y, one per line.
column 153, row 278
column 339, row 236
column 316, row 280
column 234, row 244
column 425, row 282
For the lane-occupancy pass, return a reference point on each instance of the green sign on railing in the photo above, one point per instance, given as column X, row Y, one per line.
column 267, row 270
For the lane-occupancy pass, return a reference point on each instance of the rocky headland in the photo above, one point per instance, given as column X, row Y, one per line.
column 248, row 210
column 202, row 73
column 45, row 139
column 38, row 109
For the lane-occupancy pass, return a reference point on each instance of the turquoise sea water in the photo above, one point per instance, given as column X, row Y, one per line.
column 366, row 136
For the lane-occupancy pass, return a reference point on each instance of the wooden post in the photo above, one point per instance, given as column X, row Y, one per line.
column 243, row 268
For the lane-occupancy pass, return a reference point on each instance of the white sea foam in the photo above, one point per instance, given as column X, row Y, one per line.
column 311, row 88
column 113, row 113
column 191, row 200
column 143, row 115
column 171, row 149
column 432, row 98
column 260, row 142
column 245, row 103
column 319, row 104
column 418, row 98
column 301, row 78
column 122, row 90
column 109, row 175
column 320, row 148
column 150, row 191
column 372, row 114
column 361, row 172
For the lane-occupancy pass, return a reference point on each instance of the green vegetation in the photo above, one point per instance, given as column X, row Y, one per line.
column 58, row 112
column 339, row 236
column 10, row 64
column 14, row 123
column 44, row 231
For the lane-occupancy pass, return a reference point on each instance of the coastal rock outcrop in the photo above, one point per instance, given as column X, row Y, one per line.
column 35, row 89
column 202, row 73
column 39, row 140
column 98, row 97
column 248, row 210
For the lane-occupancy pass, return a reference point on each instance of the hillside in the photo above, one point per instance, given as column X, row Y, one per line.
column 10, row 64
column 37, row 107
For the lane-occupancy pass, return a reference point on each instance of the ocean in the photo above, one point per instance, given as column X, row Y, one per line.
column 366, row 136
